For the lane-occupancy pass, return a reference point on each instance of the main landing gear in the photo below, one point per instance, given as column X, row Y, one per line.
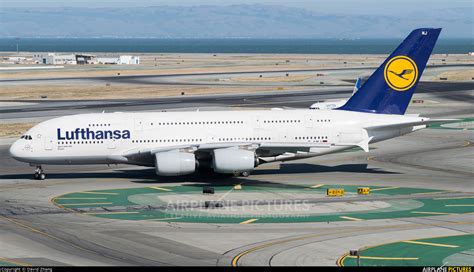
column 39, row 173
column 242, row 174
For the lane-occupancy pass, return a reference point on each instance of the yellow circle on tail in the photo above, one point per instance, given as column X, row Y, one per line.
column 401, row 73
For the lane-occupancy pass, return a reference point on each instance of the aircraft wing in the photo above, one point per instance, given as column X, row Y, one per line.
column 278, row 151
column 409, row 124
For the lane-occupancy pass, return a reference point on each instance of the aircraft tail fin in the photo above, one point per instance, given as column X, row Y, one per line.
column 390, row 88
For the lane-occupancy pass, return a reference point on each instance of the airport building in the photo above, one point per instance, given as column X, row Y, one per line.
column 86, row 59
column 53, row 58
column 129, row 59
column 125, row 59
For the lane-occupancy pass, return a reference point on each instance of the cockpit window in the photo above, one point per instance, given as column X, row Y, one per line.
column 26, row 137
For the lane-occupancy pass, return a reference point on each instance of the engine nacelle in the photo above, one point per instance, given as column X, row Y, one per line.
column 231, row 160
column 174, row 163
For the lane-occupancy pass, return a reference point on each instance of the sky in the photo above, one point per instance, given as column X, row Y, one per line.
column 455, row 16
column 329, row 6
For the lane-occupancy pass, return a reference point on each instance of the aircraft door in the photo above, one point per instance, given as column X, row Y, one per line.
column 255, row 121
column 138, row 124
column 111, row 144
column 308, row 120
column 211, row 138
column 48, row 143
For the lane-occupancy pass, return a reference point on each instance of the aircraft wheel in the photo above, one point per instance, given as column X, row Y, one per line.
column 42, row 176
column 245, row 174
column 36, row 176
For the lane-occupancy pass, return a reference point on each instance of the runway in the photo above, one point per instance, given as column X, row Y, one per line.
column 459, row 91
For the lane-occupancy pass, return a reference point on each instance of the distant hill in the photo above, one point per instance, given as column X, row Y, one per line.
column 233, row 21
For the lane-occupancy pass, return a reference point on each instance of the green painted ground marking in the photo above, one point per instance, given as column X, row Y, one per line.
column 469, row 122
column 430, row 252
column 151, row 196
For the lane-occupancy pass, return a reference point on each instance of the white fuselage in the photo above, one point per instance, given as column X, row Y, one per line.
column 107, row 138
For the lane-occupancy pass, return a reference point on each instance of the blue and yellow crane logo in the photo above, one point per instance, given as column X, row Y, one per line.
column 401, row 73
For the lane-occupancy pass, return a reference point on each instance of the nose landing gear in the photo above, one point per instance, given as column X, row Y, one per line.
column 39, row 173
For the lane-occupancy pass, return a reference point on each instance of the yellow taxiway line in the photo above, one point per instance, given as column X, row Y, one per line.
column 97, row 193
column 316, row 186
column 351, row 218
column 429, row 244
column 385, row 258
column 248, row 221
column 161, row 188
column 236, row 258
column 384, row 188
column 18, row 223
column 85, row 203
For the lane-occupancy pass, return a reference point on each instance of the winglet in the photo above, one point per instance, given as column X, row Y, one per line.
column 356, row 86
column 364, row 144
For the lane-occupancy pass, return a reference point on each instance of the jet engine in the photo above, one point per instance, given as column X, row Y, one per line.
column 174, row 163
column 231, row 160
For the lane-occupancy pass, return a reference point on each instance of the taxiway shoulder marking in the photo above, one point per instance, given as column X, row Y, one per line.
column 248, row 221
column 429, row 244
column 85, row 203
column 161, row 188
column 431, row 213
column 98, row 193
column 351, row 218
column 385, row 258
column 459, row 205
column 97, row 213
column 384, row 188
column 317, row 186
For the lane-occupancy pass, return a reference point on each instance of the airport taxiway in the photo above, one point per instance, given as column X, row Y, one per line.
column 431, row 164
column 63, row 236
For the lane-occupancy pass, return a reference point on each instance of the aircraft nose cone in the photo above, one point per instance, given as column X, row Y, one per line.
column 16, row 150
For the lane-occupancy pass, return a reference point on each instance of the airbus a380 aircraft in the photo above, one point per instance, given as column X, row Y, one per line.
column 177, row 143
